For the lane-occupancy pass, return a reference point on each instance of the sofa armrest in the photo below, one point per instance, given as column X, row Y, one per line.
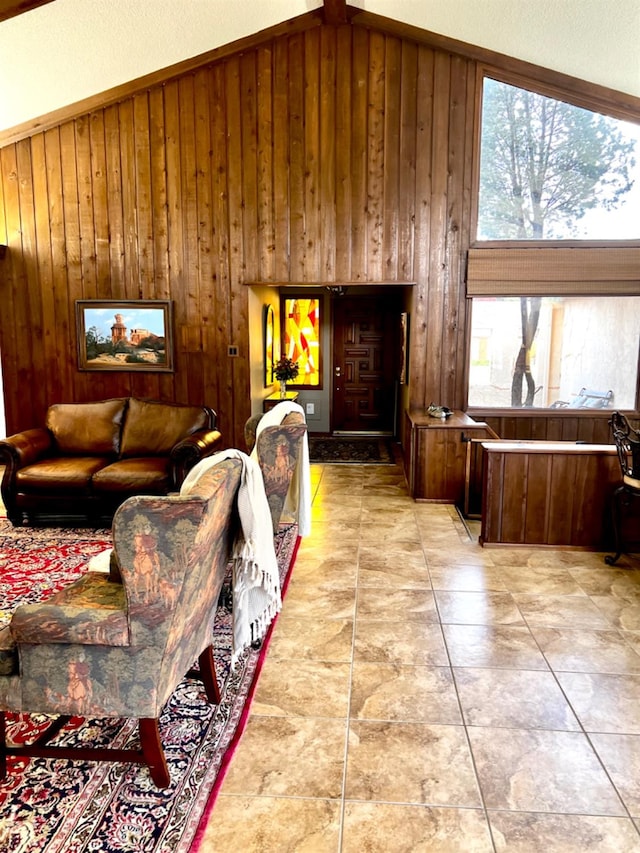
column 190, row 451
column 26, row 447
column 16, row 452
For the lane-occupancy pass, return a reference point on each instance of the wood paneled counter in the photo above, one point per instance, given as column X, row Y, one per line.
column 436, row 454
column 553, row 493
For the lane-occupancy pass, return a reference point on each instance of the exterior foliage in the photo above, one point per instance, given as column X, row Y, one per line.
column 544, row 164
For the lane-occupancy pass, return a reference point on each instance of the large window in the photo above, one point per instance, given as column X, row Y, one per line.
column 554, row 274
column 551, row 170
column 578, row 343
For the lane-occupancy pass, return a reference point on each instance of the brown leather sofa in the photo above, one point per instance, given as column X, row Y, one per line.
column 89, row 457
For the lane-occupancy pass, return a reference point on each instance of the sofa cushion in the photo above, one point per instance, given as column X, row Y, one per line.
column 153, row 429
column 83, row 429
column 146, row 475
column 68, row 474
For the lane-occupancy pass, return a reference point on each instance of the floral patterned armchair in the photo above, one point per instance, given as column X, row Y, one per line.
column 279, row 451
column 117, row 644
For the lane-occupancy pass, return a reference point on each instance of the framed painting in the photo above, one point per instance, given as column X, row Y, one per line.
column 133, row 335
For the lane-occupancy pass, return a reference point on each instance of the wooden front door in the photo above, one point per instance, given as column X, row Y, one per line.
column 365, row 363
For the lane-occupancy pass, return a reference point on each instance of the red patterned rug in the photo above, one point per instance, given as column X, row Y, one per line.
column 72, row 807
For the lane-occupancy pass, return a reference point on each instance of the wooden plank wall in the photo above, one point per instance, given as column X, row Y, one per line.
column 330, row 154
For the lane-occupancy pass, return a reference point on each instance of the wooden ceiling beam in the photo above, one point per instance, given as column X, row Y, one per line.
column 11, row 8
column 335, row 11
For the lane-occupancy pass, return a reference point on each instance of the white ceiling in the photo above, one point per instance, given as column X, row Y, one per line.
column 68, row 50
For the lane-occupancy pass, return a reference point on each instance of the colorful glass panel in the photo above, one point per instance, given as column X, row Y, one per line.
column 302, row 338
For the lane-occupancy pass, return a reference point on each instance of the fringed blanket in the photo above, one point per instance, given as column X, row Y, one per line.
column 256, row 584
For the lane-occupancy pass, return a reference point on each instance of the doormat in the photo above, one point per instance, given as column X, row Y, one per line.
column 368, row 451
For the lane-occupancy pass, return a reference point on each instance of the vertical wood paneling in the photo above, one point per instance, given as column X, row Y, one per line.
column 327, row 197
column 312, row 223
column 375, row 158
column 513, row 497
column 296, row 159
column 439, row 279
column 126, row 145
column 248, row 131
column 536, row 517
column 11, row 302
column 159, row 202
column 205, row 227
column 422, row 253
column 237, row 310
column 190, row 379
column 144, row 270
column 70, row 245
column 407, row 161
column 393, row 163
column 30, row 272
column 343, row 153
column 114, row 204
column 452, row 367
column 217, row 381
column 281, row 171
column 265, row 164
column 64, row 334
column 359, row 140
column 88, row 264
column 98, row 198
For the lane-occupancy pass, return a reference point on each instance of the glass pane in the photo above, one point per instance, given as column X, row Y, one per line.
column 543, row 352
column 551, row 170
column 302, row 338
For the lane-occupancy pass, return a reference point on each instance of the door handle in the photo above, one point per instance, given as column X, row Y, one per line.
column 338, row 371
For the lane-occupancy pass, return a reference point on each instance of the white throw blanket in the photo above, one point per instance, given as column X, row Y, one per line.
column 257, row 596
column 299, row 497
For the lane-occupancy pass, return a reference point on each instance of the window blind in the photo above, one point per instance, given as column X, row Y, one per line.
column 553, row 271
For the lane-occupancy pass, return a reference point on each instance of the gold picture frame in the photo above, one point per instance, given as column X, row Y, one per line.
column 133, row 335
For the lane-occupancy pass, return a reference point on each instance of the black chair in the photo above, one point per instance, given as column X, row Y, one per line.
column 627, row 442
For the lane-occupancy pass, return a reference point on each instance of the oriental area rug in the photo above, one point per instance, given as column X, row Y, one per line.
column 345, row 449
column 87, row 807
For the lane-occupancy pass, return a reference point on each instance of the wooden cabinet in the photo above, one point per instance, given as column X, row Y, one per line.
column 436, row 454
column 548, row 493
column 273, row 399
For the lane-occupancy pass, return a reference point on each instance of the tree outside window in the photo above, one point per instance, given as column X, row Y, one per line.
column 552, row 171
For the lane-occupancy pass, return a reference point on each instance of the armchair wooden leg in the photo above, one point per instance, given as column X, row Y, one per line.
column 153, row 753
column 3, row 747
column 208, row 675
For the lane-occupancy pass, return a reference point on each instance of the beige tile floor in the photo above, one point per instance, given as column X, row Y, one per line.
column 422, row 693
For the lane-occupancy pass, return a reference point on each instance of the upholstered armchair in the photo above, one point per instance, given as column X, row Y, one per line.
column 117, row 644
column 280, row 452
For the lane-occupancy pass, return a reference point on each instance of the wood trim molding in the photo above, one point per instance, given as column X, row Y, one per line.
column 156, row 78
column 323, row 284
column 11, row 8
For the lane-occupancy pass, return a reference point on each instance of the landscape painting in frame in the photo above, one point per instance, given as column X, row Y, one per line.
column 131, row 335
